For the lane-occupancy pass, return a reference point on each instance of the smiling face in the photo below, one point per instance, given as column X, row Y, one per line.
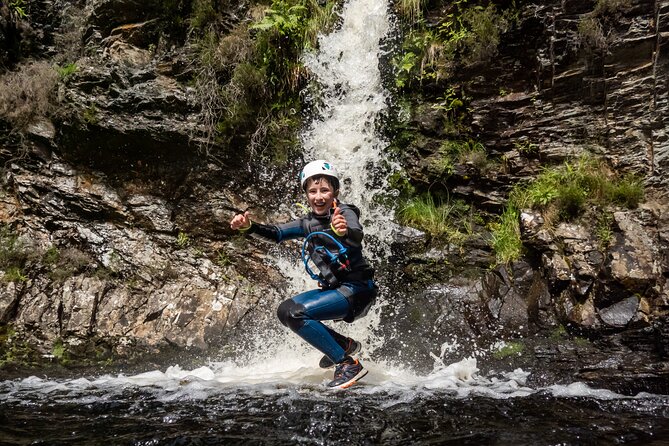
column 320, row 194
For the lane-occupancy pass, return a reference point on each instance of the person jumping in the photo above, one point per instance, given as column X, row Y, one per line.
column 346, row 280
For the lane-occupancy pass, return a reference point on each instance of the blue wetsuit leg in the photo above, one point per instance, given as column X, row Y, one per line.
column 311, row 307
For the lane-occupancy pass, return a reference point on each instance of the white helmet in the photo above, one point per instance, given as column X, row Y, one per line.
column 318, row 167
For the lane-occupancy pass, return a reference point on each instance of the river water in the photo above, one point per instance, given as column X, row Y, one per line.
column 224, row 403
column 274, row 393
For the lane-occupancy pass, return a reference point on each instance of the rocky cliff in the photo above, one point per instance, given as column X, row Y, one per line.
column 115, row 203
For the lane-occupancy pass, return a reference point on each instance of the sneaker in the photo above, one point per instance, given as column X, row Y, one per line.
column 347, row 373
column 350, row 349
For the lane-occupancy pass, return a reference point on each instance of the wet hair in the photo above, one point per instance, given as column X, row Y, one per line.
column 332, row 181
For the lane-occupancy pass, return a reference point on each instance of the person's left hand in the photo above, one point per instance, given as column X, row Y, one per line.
column 339, row 222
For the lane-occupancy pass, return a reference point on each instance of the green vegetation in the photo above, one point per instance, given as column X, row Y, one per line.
column 59, row 351
column 13, row 255
column 566, row 191
column 468, row 34
column 203, row 14
column 13, row 350
column 590, row 32
column 17, row 9
column 611, row 7
column 66, row 70
column 448, row 220
column 66, row 264
column 603, row 229
column 410, row 10
column 485, row 25
column 525, row 147
column 594, row 28
column 454, row 152
column 509, row 349
column 90, row 115
column 505, row 239
column 223, row 259
column 453, row 104
column 248, row 81
column 183, row 240
column 560, row 332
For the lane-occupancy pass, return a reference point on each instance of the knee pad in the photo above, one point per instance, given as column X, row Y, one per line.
column 291, row 314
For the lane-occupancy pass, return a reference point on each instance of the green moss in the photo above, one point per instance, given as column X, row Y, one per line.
column 581, row 341
column 400, row 182
column 13, row 350
column 90, row 115
column 67, row 70
column 509, row 349
column 560, row 332
column 58, row 350
column 183, row 240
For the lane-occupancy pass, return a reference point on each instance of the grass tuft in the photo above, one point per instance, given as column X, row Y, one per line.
column 566, row 191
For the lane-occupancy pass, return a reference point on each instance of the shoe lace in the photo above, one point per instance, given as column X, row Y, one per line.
column 341, row 368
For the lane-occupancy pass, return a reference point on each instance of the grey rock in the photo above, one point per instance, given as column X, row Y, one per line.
column 621, row 313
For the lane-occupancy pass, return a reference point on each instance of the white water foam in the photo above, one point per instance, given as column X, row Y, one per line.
column 395, row 385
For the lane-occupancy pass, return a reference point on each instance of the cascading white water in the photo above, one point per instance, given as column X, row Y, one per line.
column 349, row 104
column 344, row 127
column 349, row 101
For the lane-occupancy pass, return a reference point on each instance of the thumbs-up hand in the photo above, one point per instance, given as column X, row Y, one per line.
column 338, row 223
column 241, row 221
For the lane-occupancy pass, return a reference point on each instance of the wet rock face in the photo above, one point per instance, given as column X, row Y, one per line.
column 552, row 93
column 132, row 281
column 604, row 287
column 553, row 89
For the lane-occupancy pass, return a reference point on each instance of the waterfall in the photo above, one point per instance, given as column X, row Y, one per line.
column 344, row 130
column 347, row 109
column 347, row 106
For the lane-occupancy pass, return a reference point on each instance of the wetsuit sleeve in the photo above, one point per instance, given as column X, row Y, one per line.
column 277, row 233
column 354, row 231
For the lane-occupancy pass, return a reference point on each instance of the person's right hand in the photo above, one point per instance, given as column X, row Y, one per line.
column 241, row 221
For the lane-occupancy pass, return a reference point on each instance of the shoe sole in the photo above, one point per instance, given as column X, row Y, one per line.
column 325, row 362
column 361, row 374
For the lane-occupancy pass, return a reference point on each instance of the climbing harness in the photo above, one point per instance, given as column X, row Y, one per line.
column 328, row 263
